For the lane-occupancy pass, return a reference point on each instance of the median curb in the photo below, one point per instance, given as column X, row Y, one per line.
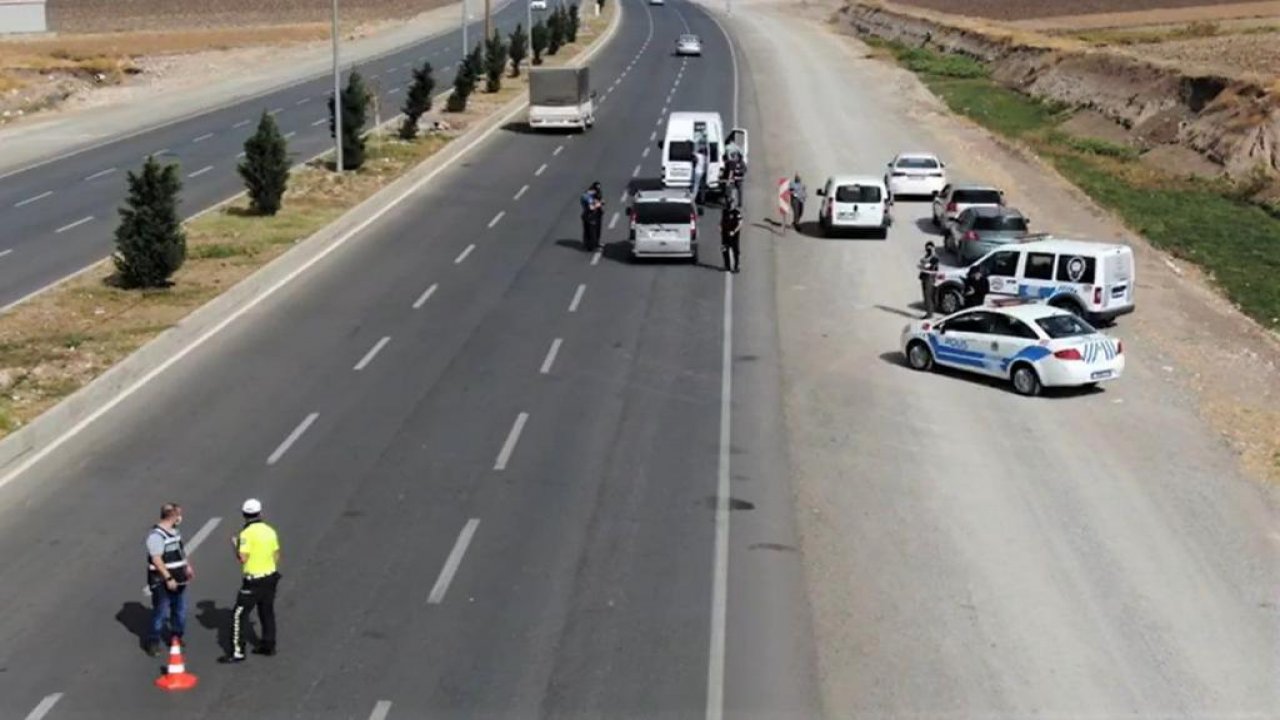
column 31, row 443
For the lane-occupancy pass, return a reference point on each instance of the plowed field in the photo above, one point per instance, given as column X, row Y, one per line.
column 89, row 16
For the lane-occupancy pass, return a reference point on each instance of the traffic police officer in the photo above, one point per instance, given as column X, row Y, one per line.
column 258, row 549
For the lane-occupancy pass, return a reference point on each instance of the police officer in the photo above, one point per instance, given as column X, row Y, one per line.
column 976, row 287
column 928, row 266
column 258, row 551
column 730, row 238
column 168, row 572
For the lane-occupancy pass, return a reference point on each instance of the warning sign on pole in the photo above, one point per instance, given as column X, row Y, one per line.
column 784, row 199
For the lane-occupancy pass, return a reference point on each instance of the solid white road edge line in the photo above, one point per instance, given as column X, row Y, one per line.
column 452, row 562
column 577, row 298
column 342, row 240
column 293, row 438
column 720, row 578
column 380, row 710
column 463, row 255
column 44, row 707
column 373, row 352
column 424, row 297
column 509, row 445
column 551, row 356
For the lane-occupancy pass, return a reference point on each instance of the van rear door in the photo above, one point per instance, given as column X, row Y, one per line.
column 1118, row 278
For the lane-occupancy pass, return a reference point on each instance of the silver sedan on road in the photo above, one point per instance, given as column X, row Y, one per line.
column 689, row 45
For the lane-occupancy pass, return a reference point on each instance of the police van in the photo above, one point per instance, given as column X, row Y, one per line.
column 686, row 132
column 1091, row 279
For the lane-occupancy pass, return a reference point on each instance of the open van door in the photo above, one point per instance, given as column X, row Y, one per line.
column 740, row 135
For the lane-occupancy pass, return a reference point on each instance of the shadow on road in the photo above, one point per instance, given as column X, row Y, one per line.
column 904, row 313
column 212, row 617
column 136, row 618
column 926, row 226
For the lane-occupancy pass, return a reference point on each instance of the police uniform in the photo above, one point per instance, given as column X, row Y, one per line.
column 258, row 544
column 168, row 607
column 928, row 266
column 730, row 238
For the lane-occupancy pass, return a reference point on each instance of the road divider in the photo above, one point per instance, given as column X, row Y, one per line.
column 119, row 349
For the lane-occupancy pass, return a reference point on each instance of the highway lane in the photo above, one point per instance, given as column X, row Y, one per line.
column 59, row 216
column 584, row 585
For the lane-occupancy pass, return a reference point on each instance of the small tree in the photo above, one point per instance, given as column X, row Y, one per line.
column 495, row 61
column 463, row 83
column 265, row 169
column 555, row 32
column 516, row 50
column 475, row 63
column 150, row 242
column 573, row 23
column 355, row 104
column 418, row 102
column 540, row 38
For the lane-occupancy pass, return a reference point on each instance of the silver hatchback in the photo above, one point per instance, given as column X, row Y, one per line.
column 664, row 223
column 689, row 45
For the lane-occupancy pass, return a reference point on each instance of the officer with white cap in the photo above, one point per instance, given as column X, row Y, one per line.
column 257, row 549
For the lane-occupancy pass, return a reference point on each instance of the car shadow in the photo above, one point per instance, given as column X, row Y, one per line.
column 904, row 313
column 520, row 127
column 136, row 618
column 813, row 229
column 926, row 226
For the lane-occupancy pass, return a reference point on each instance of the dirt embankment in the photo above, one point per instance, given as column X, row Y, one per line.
column 95, row 16
column 1232, row 121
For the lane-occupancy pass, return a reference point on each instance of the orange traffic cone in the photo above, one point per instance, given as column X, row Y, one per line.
column 176, row 677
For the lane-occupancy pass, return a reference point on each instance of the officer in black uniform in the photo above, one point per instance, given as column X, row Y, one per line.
column 928, row 266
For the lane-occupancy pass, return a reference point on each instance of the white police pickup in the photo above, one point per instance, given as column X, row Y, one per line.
column 1032, row 345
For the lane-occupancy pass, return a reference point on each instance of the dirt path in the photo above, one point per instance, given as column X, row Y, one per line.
column 1041, row 9
column 970, row 552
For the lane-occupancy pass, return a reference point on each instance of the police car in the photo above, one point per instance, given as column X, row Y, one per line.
column 1032, row 345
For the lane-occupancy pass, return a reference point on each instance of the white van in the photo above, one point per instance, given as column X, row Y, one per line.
column 854, row 202
column 684, row 131
column 1091, row 279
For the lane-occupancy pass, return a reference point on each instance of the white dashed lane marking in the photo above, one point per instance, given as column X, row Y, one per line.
column 201, row 171
column 513, row 437
column 75, row 224
column 452, row 562
column 497, row 218
column 293, row 438
column 30, row 200
column 100, row 173
column 425, row 296
column 373, row 352
column 551, row 356
column 520, row 193
column 577, row 298
column 463, row 255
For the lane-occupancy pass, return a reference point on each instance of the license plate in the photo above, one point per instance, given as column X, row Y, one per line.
column 1118, row 291
column 845, row 216
column 1100, row 375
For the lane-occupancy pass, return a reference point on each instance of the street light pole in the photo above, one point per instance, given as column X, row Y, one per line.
column 488, row 31
column 464, row 29
column 528, row 29
column 337, row 91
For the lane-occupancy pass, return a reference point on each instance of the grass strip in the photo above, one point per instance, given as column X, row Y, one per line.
column 1210, row 223
column 64, row 338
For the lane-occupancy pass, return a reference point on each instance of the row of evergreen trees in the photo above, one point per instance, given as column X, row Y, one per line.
column 150, row 242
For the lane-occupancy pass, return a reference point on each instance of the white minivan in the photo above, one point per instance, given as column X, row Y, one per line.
column 685, row 131
column 1091, row 279
column 854, row 202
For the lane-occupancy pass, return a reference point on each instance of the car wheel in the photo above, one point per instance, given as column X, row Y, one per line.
column 1025, row 381
column 950, row 301
column 918, row 356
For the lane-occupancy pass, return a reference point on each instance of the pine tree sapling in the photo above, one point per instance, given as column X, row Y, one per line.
column 555, row 32
column 355, row 104
column 516, row 49
column 150, row 242
column 573, row 23
column 265, row 169
column 495, row 61
column 418, row 102
column 540, row 38
column 463, row 83
column 475, row 64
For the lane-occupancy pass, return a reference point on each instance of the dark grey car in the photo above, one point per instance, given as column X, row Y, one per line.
column 979, row 230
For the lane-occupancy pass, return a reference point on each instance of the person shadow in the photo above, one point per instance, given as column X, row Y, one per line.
column 212, row 617
column 136, row 618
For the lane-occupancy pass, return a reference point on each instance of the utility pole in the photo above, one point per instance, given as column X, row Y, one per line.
column 337, row 91
column 464, row 30
column 528, row 29
column 488, row 31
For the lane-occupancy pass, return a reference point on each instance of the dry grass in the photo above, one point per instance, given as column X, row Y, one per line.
column 61, row 340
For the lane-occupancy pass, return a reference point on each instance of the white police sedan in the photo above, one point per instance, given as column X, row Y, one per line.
column 1031, row 345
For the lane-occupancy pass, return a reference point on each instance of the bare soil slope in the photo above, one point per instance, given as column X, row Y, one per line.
column 116, row 15
column 1030, row 9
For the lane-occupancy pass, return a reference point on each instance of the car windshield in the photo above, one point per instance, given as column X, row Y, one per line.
column 1063, row 326
column 1000, row 223
column 857, row 194
column 688, row 39
column 977, row 197
column 663, row 213
column 911, row 163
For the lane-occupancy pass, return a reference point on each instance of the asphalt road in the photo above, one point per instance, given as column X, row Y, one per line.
column 461, row 382
column 59, row 217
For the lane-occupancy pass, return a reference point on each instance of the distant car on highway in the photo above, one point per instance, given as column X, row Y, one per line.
column 916, row 174
column 854, row 202
column 537, row 4
column 657, row 2
column 1033, row 346
column 664, row 223
column 979, row 230
column 689, row 45
column 955, row 199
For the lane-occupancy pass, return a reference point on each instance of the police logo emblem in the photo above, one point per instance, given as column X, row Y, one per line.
column 1075, row 268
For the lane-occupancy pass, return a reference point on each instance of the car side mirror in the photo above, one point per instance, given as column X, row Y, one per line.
column 821, row 192
column 888, row 164
column 941, row 164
